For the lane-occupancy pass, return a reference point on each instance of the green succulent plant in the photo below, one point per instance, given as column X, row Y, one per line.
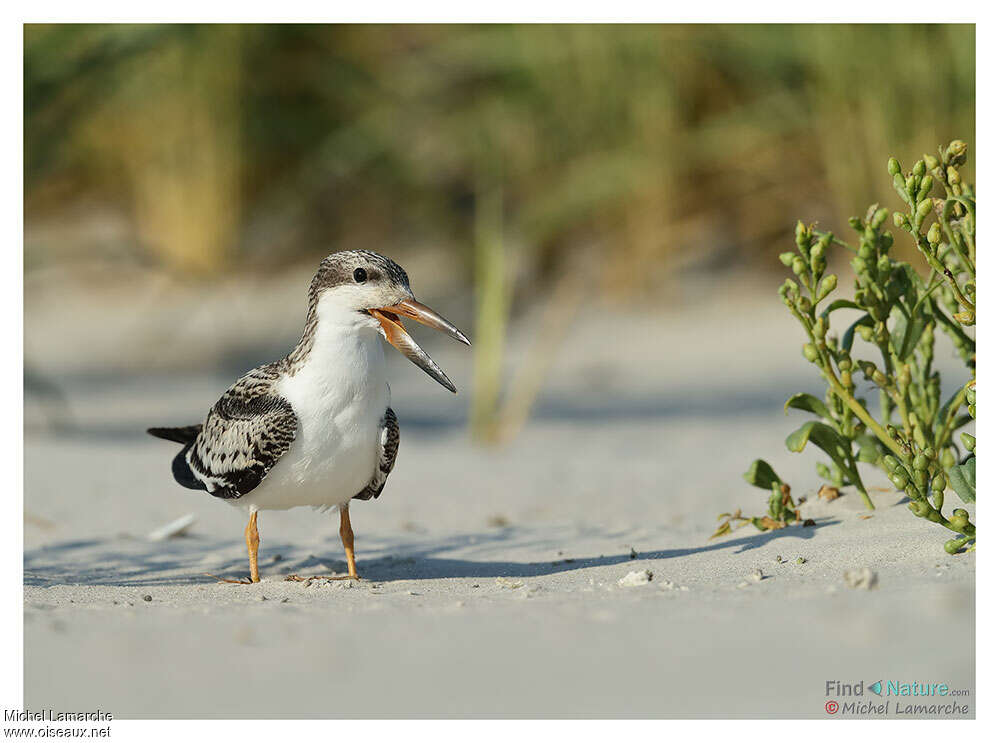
column 910, row 430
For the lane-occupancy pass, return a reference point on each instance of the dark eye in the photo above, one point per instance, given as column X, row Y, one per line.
column 360, row 275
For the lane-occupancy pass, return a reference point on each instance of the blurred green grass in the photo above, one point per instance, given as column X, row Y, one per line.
column 551, row 160
column 655, row 146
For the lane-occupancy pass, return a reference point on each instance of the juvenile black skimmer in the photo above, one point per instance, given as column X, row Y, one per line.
column 315, row 428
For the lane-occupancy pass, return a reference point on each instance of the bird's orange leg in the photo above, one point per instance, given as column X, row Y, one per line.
column 252, row 543
column 347, row 537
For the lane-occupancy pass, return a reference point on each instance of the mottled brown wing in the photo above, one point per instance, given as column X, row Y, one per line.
column 245, row 434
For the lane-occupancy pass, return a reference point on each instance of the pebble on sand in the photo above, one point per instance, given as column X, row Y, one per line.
column 861, row 578
column 636, row 578
column 671, row 586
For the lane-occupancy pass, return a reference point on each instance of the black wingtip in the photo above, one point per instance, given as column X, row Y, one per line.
column 182, row 435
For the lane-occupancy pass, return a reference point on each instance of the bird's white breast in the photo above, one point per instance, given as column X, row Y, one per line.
column 339, row 396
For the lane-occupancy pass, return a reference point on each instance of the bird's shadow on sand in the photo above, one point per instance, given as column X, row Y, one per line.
column 134, row 563
column 419, row 561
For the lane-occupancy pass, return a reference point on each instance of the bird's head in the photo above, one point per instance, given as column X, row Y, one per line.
column 375, row 291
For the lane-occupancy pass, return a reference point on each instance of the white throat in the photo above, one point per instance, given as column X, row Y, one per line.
column 347, row 356
column 345, row 365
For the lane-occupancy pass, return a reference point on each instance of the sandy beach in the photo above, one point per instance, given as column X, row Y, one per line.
column 495, row 579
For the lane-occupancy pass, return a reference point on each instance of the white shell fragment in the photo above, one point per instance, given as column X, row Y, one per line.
column 176, row 528
column 636, row 578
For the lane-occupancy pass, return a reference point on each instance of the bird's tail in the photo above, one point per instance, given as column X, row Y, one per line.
column 182, row 435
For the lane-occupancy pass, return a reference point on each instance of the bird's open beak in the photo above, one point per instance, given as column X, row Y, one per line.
column 395, row 333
